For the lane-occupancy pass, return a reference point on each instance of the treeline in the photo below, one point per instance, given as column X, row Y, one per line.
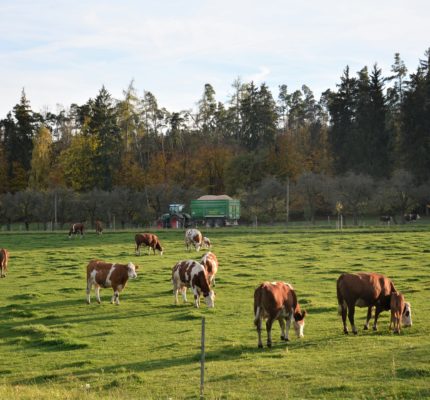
column 373, row 127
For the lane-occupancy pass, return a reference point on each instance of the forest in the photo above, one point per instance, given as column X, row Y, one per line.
column 364, row 147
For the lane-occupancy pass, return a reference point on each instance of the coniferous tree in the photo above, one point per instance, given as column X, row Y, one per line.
column 415, row 128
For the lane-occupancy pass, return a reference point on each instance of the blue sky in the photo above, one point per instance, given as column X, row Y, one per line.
column 62, row 52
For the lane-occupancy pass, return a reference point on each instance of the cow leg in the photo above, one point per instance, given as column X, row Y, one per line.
column 115, row 297
column 368, row 318
column 184, row 294
column 97, row 290
column 196, row 298
column 269, row 324
column 258, row 324
column 88, row 292
column 281, row 321
column 351, row 312
column 287, row 329
column 343, row 311
column 378, row 310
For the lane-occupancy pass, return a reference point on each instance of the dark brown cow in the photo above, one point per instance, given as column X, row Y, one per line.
column 99, row 227
column 75, row 229
column 148, row 239
column 210, row 262
column 4, row 258
column 365, row 290
column 277, row 301
column 397, row 305
column 103, row 274
column 193, row 237
column 190, row 273
column 411, row 217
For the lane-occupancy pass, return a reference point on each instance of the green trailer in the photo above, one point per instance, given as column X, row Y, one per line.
column 215, row 210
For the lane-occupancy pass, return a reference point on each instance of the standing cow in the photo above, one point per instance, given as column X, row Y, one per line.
column 99, row 228
column 193, row 237
column 76, row 229
column 365, row 290
column 191, row 274
column 397, row 305
column 277, row 301
column 4, row 258
column 411, row 217
column 103, row 274
column 148, row 239
column 210, row 262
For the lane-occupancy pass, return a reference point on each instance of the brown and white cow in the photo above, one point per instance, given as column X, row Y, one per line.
column 103, row 274
column 148, row 239
column 191, row 274
column 206, row 243
column 99, row 228
column 193, row 237
column 4, row 258
column 397, row 305
column 75, row 229
column 369, row 290
column 210, row 262
column 277, row 301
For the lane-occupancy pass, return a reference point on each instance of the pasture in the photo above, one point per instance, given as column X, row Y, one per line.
column 54, row 345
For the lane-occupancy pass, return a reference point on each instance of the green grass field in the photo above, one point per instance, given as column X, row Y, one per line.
column 55, row 346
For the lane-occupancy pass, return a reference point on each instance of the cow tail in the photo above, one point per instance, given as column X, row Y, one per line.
column 257, row 305
column 339, row 296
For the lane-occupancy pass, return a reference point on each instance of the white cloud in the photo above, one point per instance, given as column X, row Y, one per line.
column 63, row 52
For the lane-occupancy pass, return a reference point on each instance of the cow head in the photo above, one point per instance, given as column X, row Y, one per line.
column 159, row 248
column 132, row 270
column 210, row 299
column 299, row 323
column 407, row 315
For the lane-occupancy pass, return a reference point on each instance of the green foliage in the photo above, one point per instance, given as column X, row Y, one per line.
column 148, row 348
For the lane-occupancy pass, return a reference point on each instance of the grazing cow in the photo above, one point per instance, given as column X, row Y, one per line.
column 397, row 305
column 206, row 243
column 75, row 229
column 99, row 228
column 4, row 258
column 148, row 239
column 103, row 274
column 411, row 217
column 210, row 262
column 190, row 273
column 277, row 301
column 193, row 237
column 388, row 219
column 365, row 290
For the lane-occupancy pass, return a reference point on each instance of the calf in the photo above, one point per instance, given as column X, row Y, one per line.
column 148, row 239
column 193, row 237
column 210, row 262
column 206, row 243
column 364, row 290
column 103, row 274
column 99, row 228
column 397, row 305
column 4, row 258
column 75, row 229
column 190, row 273
column 277, row 301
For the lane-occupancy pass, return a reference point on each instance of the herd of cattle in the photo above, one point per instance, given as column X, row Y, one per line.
column 272, row 300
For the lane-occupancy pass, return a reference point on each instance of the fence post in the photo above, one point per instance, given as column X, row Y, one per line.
column 202, row 361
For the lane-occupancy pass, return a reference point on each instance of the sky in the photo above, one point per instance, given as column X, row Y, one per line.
column 63, row 52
